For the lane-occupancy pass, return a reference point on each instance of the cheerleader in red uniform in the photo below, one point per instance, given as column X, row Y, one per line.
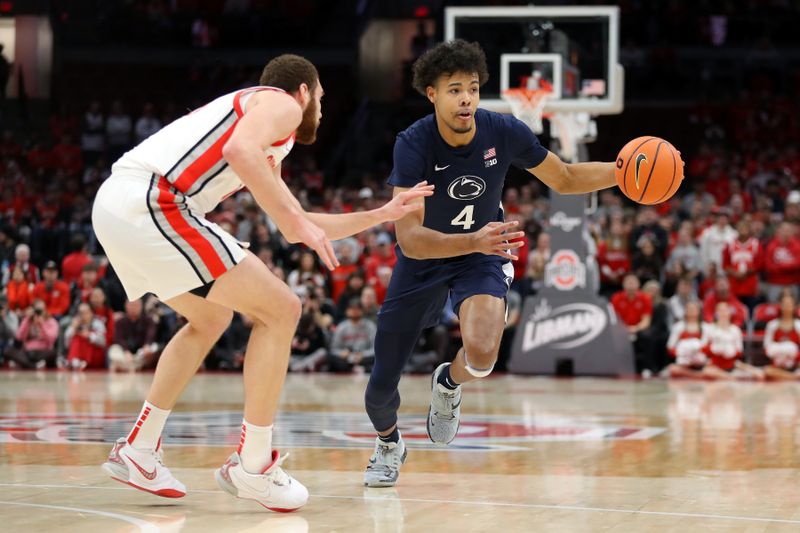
column 725, row 347
column 686, row 342
column 782, row 342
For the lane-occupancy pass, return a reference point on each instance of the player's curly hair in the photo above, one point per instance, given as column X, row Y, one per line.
column 288, row 72
column 448, row 58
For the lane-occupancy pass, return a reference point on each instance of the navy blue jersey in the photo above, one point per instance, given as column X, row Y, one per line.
column 469, row 179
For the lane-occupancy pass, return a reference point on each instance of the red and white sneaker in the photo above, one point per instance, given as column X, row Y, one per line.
column 273, row 488
column 143, row 470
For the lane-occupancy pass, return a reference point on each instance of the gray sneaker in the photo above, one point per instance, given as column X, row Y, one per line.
column 444, row 414
column 384, row 465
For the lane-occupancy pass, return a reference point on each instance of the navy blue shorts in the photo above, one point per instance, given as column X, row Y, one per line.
column 416, row 296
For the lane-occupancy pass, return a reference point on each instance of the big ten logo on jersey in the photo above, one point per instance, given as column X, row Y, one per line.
column 490, row 157
column 565, row 271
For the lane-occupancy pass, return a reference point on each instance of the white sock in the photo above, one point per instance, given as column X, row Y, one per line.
column 148, row 427
column 255, row 447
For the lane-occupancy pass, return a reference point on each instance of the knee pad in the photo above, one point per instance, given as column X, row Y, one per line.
column 477, row 372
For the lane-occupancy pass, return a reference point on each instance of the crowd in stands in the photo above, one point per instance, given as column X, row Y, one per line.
column 704, row 283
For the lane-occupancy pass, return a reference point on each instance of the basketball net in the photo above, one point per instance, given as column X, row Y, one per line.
column 572, row 129
column 527, row 101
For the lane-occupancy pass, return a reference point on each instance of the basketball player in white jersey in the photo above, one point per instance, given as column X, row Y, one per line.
column 149, row 217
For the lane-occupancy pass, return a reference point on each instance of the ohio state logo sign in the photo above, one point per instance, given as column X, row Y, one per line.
column 565, row 271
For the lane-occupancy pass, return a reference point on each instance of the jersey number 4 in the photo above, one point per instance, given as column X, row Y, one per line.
column 464, row 218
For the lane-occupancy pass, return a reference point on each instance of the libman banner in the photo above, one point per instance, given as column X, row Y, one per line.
column 586, row 333
column 566, row 321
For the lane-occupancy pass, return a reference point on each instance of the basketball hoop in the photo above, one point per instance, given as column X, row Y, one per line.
column 528, row 105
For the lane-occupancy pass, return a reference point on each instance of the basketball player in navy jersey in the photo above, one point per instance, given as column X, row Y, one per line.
column 458, row 244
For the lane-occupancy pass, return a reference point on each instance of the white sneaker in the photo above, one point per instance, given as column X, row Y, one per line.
column 143, row 470
column 444, row 413
column 383, row 468
column 273, row 488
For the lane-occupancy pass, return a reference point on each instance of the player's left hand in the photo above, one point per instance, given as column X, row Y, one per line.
column 405, row 202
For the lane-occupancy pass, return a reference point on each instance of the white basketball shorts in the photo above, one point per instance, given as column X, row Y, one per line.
column 155, row 240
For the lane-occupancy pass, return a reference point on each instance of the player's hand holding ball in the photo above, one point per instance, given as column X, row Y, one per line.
column 649, row 170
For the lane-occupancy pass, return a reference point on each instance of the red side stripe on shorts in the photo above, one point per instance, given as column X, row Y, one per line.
column 166, row 201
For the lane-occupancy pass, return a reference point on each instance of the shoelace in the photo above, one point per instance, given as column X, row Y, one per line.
column 277, row 474
column 449, row 399
column 383, row 451
column 158, row 455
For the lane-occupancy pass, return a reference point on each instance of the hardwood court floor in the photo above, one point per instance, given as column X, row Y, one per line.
column 533, row 454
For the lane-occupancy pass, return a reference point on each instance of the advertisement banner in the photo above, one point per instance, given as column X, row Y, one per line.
column 566, row 322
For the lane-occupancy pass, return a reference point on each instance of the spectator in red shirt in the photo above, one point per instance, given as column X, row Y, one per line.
column 346, row 251
column 635, row 309
column 86, row 339
column 782, row 262
column 742, row 261
column 383, row 256
column 22, row 259
column 18, row 291
column 722, row 294
column 86, row 283
column 382, row 282
column 101, row 310
column 614, row 259
column 52, row 291
column 72, row 265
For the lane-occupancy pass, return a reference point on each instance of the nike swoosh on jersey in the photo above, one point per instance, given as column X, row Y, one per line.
column 147, row 475
column 437, row 168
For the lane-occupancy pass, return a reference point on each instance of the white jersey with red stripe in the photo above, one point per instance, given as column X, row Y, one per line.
column 782, row 346
column 187, row 153
column 686, row 344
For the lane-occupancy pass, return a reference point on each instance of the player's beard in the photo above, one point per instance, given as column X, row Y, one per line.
column 307, row 130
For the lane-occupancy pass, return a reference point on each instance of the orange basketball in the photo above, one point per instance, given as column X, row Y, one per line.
column 649, row 170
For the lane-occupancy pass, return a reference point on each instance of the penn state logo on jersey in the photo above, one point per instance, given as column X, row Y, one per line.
column 466, row 188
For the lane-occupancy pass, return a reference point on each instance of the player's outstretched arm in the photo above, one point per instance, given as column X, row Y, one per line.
column 574, row 178
column 339, row 226
column 418, row 242
column 269, row 117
